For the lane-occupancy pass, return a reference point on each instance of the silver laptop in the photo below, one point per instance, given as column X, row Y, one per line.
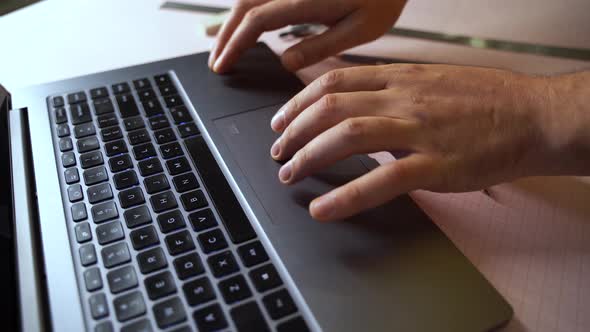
column 145, row 199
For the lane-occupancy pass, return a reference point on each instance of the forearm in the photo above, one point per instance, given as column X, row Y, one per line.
column 566, row 124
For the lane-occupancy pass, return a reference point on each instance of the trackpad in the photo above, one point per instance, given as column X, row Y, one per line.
column 250, row 137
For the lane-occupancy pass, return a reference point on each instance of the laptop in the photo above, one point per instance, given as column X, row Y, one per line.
column 145, row 199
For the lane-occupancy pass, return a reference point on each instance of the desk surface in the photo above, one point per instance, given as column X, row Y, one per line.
column 531, row 238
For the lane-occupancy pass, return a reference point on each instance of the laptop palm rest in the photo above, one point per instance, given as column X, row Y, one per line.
column 389, row 267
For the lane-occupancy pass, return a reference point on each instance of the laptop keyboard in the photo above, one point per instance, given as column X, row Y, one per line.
column 160, row 240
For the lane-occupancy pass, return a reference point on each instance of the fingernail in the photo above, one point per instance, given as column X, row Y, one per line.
column 285, row 172
column 217, row 64
column 275, row 150
column 278, row 121
column 293, row 60
column 212, row 56
column 322, row 207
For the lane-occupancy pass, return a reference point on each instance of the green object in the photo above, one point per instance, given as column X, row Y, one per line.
column 7, row 6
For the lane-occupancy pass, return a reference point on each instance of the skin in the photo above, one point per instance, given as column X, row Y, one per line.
column 460, row 128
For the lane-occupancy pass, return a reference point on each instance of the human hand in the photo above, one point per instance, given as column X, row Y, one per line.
column 465, row 128
column 350, row 22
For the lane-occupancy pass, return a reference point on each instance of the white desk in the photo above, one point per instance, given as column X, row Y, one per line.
column 57, row 39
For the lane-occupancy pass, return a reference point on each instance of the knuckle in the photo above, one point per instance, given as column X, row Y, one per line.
column 331, row 79
column 353, row 194
column 328, row 103
column 254, row 16
column 354, row 128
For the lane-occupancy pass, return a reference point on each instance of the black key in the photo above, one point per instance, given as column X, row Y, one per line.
column 84, row 129
column 120, row 88
column 178, row 165
column 131, row 197
column 158, row 122
column 185, row 182
column 142, row 325
column 103, row 212
column 202, row 220
column 210, row 318
column 137, row 216
column 151, row 260
column 109, row 232
column 152, row 107
column 99, row 93
column 79, row 212
column 188, row 266
column 95, row 175
column 188, row 129
column 252, row 253
column 75, row 193
column 160, row 285
column 146, row 94
column 171, row 221
column 88, row 144
column 68, row 159
column 248, row 317
column 198, row 291
column 156, row 183
column 65, row 144
column 83, row 233
column 223, row 264
column 149, row 166
column 92, row 279
column 142, row 83
column 144, row 237
column 116, row 147
column 61, row 116
column 127, row 105
column 279, row 304
column 63, row 130
column 265, row 277
column 71, row 174
column 99, row 193
column 179, row 243
column 163, row 201
column 87, row 254
column 234, row 289
column 105, row 326
column 107, row 120
column 236, row 223
column 120, row 163
column 212, row 241
column 80, row 113
column 169, row 312
column 163, row 79
column 98, row 306
column 103, row 106
column 125, row 179
column 115, row 255
column 138, row 137
column 76, row 97
column 167, row 90
column 111, row 133
column 193, row 200
column 58, row 101
column 180, row 115
column 129, row 306
column 171, row 150
column 164, row 136
column 133, row 123
column 122, row 279
column 173, row 101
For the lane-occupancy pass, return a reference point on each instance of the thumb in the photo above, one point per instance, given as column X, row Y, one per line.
column 344, row 35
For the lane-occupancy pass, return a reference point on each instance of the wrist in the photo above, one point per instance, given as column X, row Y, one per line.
column 562, row 113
